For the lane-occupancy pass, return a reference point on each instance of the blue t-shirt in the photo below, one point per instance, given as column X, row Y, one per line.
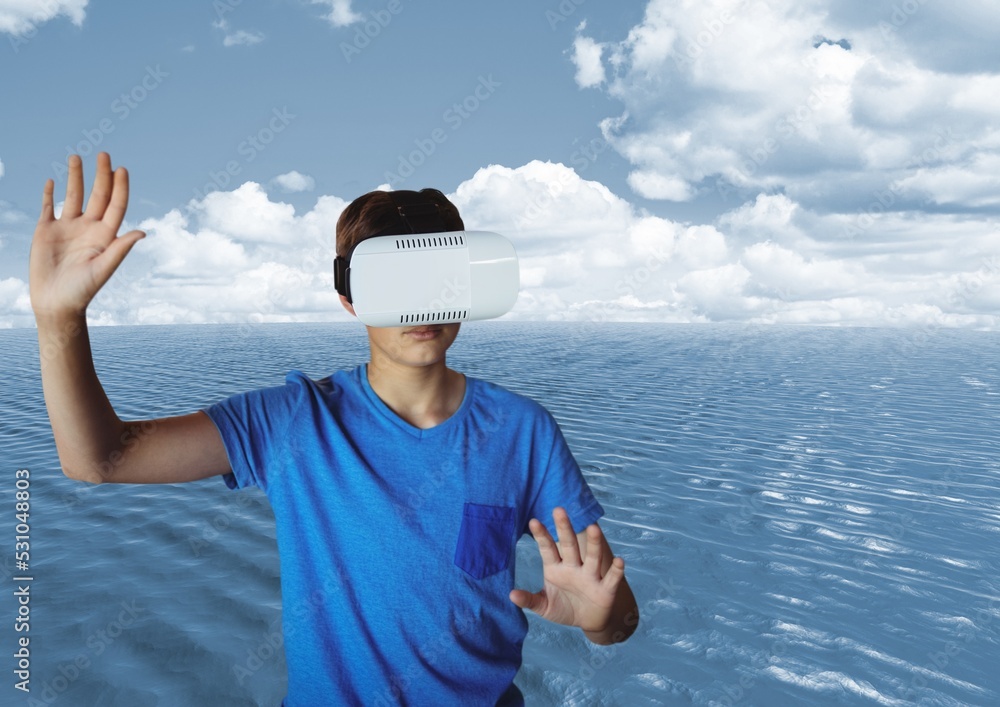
column 397, row 543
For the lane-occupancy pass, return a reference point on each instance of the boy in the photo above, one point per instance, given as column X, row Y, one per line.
column 399, row 488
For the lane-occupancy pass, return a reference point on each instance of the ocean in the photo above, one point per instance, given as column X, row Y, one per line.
column 808, row 516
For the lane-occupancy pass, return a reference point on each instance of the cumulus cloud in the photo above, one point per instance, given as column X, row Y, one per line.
column 585, row 253
column 340, row 14
column 826, row 102
column 232, row 256
column 19, row 17
column 1, row 169
column 295, row 182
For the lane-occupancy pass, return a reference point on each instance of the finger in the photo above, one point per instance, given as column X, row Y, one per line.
column 595, row 550
column 114, row 212
column 74, row 188
column 615, row 575
column 568, row 546
column 108, row 261
column 47, row 210
column 546, row 545
column 526, row 600
column 101, row 191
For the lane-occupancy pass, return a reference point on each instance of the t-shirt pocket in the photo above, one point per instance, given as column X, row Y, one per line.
column 485, row 539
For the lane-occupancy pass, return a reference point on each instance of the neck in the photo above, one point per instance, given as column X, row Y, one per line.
column 424, row 396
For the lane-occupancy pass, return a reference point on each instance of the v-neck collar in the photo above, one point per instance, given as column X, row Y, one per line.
column 417, row 432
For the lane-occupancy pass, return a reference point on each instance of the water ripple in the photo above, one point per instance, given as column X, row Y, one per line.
column 807, row 515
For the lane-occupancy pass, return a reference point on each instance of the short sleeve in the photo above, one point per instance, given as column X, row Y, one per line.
column 561, row 483
column 253, row 426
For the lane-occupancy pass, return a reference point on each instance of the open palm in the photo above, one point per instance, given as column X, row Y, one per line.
column 578, row 591
column 73, row 256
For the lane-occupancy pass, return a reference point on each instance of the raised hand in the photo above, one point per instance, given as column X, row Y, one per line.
column 578, row 591
column 73, row 256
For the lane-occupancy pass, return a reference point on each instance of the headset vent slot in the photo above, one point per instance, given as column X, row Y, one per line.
column 415, row 317
column 408, row 243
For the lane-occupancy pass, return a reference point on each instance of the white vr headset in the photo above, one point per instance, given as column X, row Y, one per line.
column 405, row 276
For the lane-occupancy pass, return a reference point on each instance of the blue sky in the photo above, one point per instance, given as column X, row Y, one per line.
column 806, row 162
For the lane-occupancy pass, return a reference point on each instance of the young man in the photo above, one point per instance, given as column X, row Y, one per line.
column 399, row 488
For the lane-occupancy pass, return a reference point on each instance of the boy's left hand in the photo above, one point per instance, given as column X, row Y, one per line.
column 579, row 590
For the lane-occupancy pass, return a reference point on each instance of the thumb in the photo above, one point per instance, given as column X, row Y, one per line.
column 115, row 253
column 526, row 600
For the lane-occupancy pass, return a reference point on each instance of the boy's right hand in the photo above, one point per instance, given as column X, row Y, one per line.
column 73, row 256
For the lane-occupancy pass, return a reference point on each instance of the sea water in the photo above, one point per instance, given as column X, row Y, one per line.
column 807, row 516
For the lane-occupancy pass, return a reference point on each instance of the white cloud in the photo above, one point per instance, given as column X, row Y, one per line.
column 1, row 169
column 587, row 58
column 780, row 272
column 246, row 213
column 743, row 94
column 653, row 185
column 975, row 183
column 585, row 254
column 295, row 182
column 242, row 38
column 20, row 17
column 15, row 303
column 237, row 38
column 230, row 257
column 341, row 13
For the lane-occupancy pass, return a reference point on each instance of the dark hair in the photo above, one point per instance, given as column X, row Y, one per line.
column 376, row 213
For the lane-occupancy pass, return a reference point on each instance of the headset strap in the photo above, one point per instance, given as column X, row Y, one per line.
column 417, row 214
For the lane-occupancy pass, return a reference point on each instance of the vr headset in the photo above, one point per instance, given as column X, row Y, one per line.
column 414, row 272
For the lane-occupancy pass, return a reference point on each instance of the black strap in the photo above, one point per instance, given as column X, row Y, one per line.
column 417, row 214
column 341, row 279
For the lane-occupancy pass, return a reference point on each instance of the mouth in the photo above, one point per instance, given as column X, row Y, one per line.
column 424, row 330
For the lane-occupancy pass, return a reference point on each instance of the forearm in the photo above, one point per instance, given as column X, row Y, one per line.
column 86, row 429
column 623, row 621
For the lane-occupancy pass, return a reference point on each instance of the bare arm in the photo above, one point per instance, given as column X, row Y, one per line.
column 72, row 257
